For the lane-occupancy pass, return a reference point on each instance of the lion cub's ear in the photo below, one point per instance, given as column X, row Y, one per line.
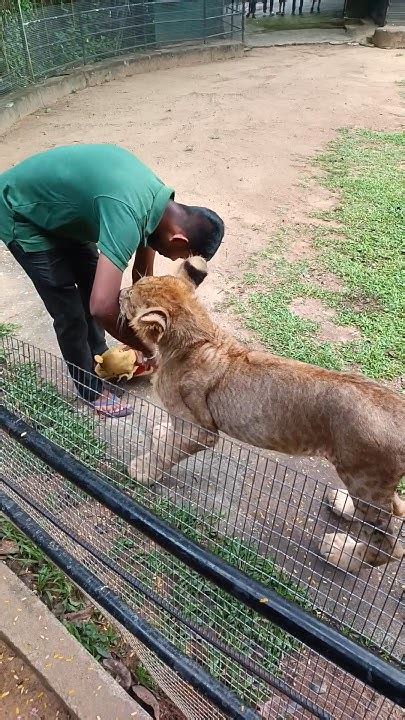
column 194, row 269
column 151, row 323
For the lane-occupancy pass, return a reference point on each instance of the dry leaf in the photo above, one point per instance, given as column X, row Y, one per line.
column 119, row 671
column 145, row 696
column 59, row 610
column 8, row 547
column 84, row 614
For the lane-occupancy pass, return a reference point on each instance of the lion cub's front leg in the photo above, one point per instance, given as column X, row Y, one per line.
column 173, row 441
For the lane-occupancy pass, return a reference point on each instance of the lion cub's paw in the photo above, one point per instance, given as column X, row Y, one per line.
column 340, row 503
column 399, row 505
column 138, row 470
column 339, row 549
column 143, row 470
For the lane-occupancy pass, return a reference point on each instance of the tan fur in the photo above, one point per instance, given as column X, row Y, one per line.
column 208, row 378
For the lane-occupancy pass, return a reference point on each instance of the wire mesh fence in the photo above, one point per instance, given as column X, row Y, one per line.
column 255, row 513
column 40, row 39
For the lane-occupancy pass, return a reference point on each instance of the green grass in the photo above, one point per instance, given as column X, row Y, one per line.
column 6, row 329
column 26, row 392
column 209, row 607
column 366, row 253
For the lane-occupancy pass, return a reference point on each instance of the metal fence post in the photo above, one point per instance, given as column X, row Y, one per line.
column 82, row 40
column 232, row 16
column 25, row 46
column 243, row 20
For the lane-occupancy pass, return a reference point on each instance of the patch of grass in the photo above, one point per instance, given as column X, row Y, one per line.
column 266, row 312
column 144, row 677
column 366, row 254
column 40, row 401
column 7, row 329
column 293, row 22
column 98, row 638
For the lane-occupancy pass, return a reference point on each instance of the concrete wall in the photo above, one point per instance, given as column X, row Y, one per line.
column 391, row 37
column 375, row 9
column 79, row 681
column 396, row 12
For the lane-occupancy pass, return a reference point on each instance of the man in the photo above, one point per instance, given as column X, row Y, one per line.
column 73, row 217
column 265, row 7
column 251, row 9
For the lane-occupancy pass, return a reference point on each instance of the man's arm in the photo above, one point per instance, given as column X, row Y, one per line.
column 104, row 304
column 143, row 263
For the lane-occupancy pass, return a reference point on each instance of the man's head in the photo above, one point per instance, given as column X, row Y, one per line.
column 186, row 230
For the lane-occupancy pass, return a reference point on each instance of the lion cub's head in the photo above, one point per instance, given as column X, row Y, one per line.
column 165, row 310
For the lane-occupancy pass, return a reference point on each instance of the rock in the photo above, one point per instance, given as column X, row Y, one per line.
column 390, row 36
column 8, row 547
column 147, row 698
column 119, row 671
column 80, row 615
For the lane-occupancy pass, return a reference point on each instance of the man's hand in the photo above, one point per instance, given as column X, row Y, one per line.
column 104, row 304
column 143, row 263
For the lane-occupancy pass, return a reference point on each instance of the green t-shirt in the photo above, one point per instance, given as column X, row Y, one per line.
column 82, row 193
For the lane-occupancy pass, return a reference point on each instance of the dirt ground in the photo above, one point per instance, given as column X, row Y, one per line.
column 238, row 137
column 23, row 695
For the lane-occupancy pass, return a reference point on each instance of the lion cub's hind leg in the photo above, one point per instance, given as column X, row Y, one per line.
column 376, row 541
column 399, row 506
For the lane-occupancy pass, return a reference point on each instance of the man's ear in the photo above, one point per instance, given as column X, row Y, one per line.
column 194, row 270
column 179, row 238
column 151, row 323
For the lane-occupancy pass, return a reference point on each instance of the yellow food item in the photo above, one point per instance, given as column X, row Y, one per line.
column 117, row 362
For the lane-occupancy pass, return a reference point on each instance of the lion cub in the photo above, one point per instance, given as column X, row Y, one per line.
column 208, row 378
